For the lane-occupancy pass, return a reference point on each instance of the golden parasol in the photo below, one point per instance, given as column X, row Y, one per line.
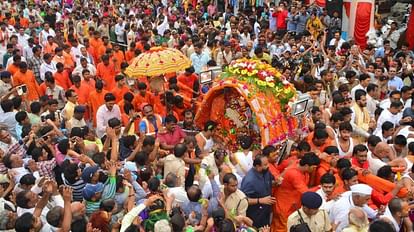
column 158, row 61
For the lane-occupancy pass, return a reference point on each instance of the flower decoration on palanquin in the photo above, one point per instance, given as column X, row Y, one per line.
column 263, row 76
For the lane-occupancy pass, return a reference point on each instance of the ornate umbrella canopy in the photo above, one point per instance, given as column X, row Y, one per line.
column 158, row 61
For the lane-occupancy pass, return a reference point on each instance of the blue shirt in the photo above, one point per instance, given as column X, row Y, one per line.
column 258, row 185
column 199, row 61
column 19, row 130
column 292, row 22
column 380, row 52
column 196, row 207
column 396, row 82
column 301, row 23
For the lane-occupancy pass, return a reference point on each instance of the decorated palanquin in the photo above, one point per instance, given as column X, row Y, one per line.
column 250, row 98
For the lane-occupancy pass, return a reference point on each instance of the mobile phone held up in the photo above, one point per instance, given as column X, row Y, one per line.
column 21, row 89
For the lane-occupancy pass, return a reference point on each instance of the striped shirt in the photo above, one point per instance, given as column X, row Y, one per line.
column 77, row 188
column 108, row 192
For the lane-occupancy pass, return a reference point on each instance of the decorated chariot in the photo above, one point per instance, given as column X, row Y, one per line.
column 252, row 98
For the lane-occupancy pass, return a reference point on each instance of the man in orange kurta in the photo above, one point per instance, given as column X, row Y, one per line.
column 159, row 107
column 62, row 77
column 295, row 155
column 130, row 54
column 87, row 79
column 319, row 140
column 120, row 89
column 14, row 67
column 69, row 62
column 83, row 91
column 26, row 77
column 186, row 82
column 96, row 99
column 127, row 99
column 50, row 46
column 329, row 159
column 95, row 43
column 288, row 194
column 118, row 57
column 106, row 72
column 102, row 49
column 59, row 58
column 143, row 96
column 24, row 22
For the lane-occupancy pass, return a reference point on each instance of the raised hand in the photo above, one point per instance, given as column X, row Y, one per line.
column 67, row 193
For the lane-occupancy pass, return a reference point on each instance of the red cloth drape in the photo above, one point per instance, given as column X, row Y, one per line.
column 320, row 3
column 362, row 23
column 410, row 31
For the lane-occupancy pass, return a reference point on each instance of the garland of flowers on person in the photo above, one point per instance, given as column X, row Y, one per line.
column 263, row 76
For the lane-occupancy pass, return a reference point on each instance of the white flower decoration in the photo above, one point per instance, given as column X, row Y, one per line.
column 269, row 78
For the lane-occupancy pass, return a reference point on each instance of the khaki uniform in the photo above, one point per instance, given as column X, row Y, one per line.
column 236, row 203
column 317, row 223
column 175, row 165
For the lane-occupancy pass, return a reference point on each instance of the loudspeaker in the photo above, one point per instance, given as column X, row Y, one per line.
column 334, row 5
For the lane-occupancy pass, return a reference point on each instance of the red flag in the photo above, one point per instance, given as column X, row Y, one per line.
column 409, row 36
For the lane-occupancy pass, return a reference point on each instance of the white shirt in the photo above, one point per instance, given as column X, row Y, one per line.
column 102, row 117
column 28, row 52
column 57, row 93
column 130, row 37
column 78, row 70
column 386, row 115
column 88, row 58
column 180, row 195
column 380, row 135
column 22, row 39
column 56, row 201
column 119, row 31
column 374, row 163
column 340, row 42
column 19, row 173
column 245, row 162
column 340, row 209
column 76, row 53
column 407, row 130
column 44, row 67
column 371, row 105
column 386, row 103
column 326, row 205
column 44, row 34
column 359, row 86
column 256, row 27
column 244, row 39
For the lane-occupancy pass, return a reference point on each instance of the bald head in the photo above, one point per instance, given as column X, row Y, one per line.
column 224, row 169
column 78, row 210
column 383, row 150
column 358, row 217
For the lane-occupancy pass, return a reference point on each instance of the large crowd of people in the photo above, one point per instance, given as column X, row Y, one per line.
column 85, row 147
